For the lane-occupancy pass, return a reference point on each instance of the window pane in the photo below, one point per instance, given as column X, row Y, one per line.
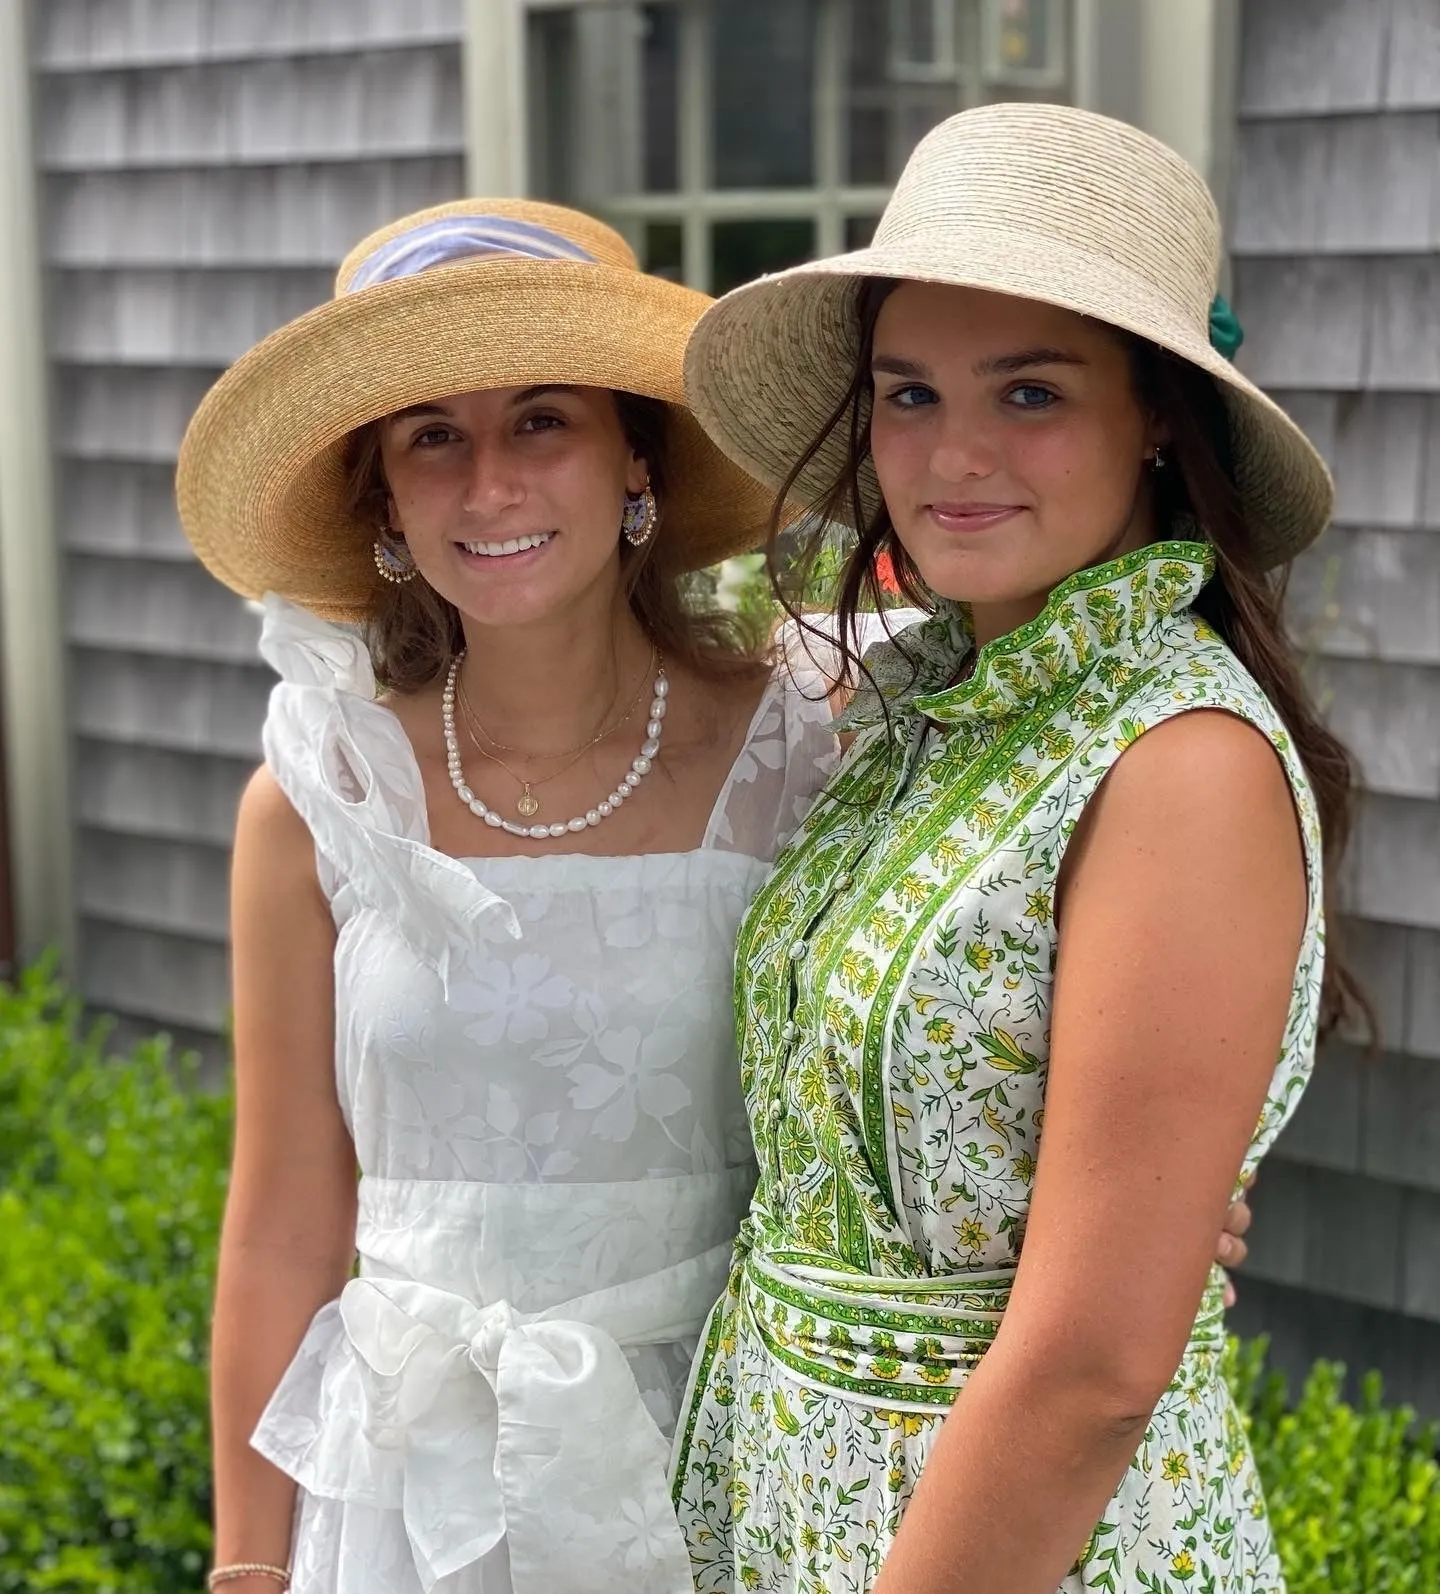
column 742, row 250
column 859, row 230
column 661, row 48
column 601, row 89
column 763, row 56
column 665, row 250
column 899, row 83
column 912, row 63
column 550, row 48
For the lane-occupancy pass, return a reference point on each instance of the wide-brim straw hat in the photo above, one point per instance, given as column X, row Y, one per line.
column 1041, row 202
column 476, row 294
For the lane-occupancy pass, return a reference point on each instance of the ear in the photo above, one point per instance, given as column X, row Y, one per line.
column 637, row 474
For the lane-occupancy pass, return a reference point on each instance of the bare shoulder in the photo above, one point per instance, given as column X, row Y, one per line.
column 274, row 854
column 267, row 815
column 1201, row 802
column 1206, row 767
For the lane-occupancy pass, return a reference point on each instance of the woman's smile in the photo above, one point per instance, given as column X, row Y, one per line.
column 972, row 517
column 510, row 553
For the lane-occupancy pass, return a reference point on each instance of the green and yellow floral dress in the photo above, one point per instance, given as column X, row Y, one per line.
column 894, row 985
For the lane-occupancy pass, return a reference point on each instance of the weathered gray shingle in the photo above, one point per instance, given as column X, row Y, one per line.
column 167, row 608
column 381, row 103
column 174, row 703
column 174, row 317
column 261, row 216
column 1396, row 860
column 112, row 507
column 1403, row 335
column 1412, row 74
column 178, row 887
column 1304, row 319
column 147, row 791
column 155, row 977
column 1401, row 1131
column 1389, row 717
column 1369, row 594
column 80, row 34
column 107, row 412
column 1338, row 185
column 1302, row 56
column 1420, row 1242
column 1422, row 1029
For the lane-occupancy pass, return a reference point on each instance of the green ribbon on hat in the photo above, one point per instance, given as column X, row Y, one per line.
column 1226, row 333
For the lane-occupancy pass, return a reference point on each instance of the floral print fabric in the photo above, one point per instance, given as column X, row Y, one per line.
column 894, row 985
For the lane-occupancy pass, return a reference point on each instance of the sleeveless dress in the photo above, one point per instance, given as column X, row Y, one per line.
column 535, row 1058
column 895, row 985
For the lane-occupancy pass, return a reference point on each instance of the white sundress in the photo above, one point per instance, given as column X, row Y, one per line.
column 535, row 1058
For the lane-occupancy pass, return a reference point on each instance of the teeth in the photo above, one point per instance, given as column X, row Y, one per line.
column 496, row 550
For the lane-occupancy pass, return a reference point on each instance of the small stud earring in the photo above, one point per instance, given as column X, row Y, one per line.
column 638, row 521
column 393, row 559
column 1159, row 458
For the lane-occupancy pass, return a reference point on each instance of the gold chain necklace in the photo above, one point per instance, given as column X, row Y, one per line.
column 528, row 804
column 504, row 747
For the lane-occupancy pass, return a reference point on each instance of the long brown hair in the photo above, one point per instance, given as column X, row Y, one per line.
column 413, row 633
column 1197, row 489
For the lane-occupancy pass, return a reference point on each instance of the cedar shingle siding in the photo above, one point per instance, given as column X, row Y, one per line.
column 1336, row 237
column 205, row 164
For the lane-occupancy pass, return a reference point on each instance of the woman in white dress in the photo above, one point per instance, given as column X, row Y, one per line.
column 486, row 888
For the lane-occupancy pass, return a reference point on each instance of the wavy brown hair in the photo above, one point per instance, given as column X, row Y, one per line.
column 1197, row 489
column 413, row 633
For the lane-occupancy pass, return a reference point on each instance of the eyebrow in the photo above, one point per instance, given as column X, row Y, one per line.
column 525, row 396
column 995, row 365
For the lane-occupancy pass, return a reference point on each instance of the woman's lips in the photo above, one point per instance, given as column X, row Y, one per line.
column 971, row 517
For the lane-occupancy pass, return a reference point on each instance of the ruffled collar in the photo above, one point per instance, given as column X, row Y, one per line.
column 1117, row 609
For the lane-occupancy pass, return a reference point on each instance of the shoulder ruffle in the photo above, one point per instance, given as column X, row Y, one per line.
column 346, row 764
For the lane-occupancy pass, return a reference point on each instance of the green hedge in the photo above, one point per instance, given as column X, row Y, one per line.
column 112, row 1176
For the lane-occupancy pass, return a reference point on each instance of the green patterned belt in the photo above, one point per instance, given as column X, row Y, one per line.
column 898, row 1343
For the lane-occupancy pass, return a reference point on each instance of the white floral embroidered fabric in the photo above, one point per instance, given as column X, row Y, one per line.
column 535, row 1057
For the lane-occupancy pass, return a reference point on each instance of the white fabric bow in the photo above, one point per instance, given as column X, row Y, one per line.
column 523, row 1428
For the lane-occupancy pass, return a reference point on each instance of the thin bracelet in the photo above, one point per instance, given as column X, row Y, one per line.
column 228, row 1574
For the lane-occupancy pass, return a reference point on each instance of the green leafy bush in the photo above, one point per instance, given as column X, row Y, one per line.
column 1354, row 1494
column 112, row 1175
column 112, row 1178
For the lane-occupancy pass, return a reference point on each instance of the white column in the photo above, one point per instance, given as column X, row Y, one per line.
column 32, row 651
column 1187, row 81
column 495, row 109
column 1168, row 66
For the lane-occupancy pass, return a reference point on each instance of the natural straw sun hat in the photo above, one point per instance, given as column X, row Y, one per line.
column 480, row 293
column 1041, row 202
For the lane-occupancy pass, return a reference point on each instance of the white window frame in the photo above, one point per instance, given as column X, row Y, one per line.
column 33, row 699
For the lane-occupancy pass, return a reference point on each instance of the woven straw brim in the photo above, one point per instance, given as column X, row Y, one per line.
column 769, row 363
column 260, row 481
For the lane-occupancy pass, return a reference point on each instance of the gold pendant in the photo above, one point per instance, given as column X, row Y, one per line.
column 527, row 804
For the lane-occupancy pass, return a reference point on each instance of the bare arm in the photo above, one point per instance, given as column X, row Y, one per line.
column 288, row 1239
column 1183, row 903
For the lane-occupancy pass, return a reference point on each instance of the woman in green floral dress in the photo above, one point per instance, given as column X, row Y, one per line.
column 1046, row 964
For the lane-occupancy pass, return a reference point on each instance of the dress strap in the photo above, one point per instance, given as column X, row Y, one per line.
column 344, row 761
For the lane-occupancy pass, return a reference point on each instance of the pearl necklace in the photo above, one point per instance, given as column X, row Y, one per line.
column 640, row 766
